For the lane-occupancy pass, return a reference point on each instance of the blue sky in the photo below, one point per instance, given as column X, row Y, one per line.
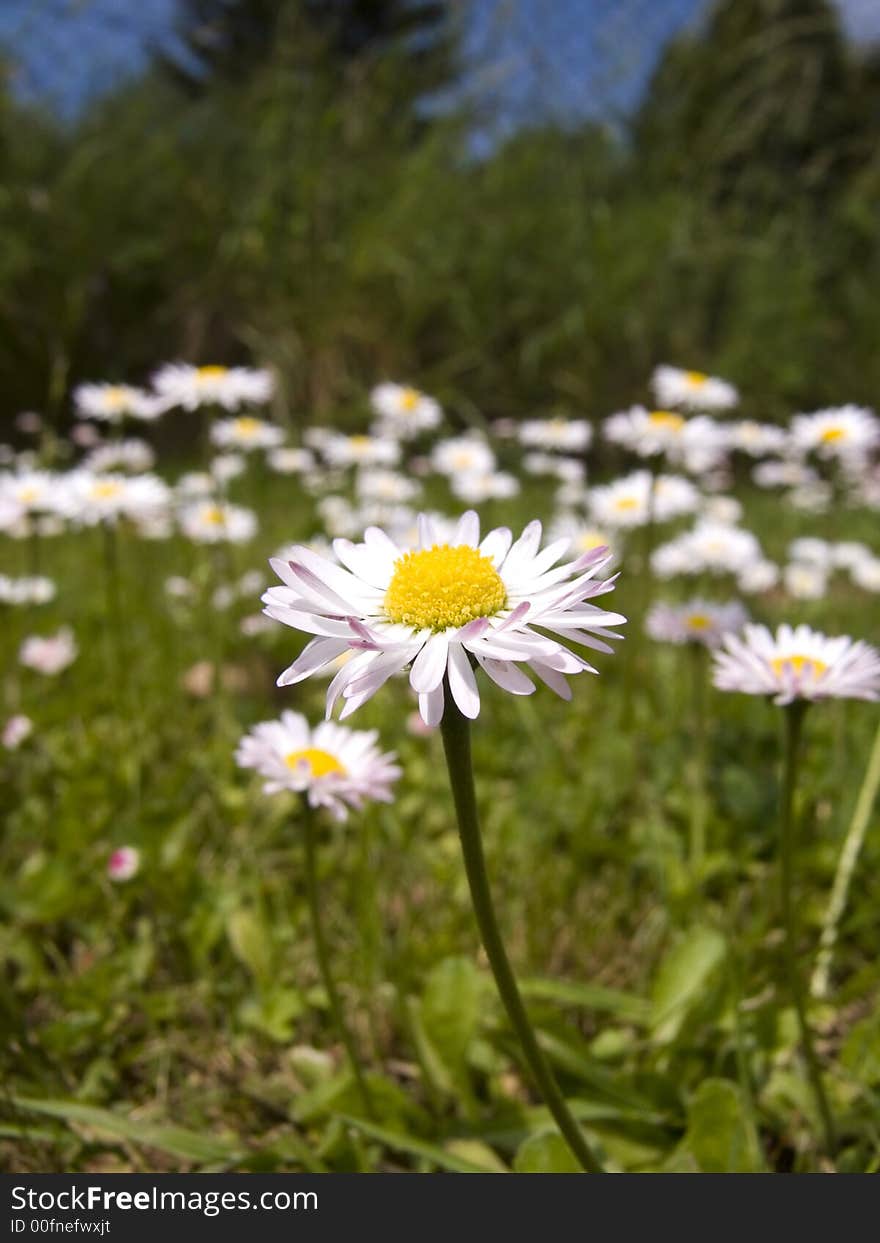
column 569, row 56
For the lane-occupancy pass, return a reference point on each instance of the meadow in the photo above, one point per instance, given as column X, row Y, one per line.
column 163, row 1005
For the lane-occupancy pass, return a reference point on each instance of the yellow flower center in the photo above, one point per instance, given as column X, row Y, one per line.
column 441, row 587
column 247, row 426
column 626, row 503
column 321, row 763
column 833, row 433
column 28, row 495
column 589, row 539
column 666, row 419
column 462, row 459
column 799, row 664
column 409, row 399
column 696, row 377
column 115, row 397
column 699, row 621
column 212, row 373
column 214, row 516
column 106, row 489
column 358, row 442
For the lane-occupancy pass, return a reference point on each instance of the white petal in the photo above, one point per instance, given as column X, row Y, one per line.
column 431, row 706
column 430, row 664
column 463, row 684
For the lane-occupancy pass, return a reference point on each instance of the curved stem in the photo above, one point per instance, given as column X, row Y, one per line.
column 794, row 716
column 457, row 745
column 323, row 956
column 852, row 845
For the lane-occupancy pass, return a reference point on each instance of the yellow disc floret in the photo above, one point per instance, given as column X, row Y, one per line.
column 409, row 399
column 833, row 433
column 320, row 763
column 443, row 587
column 699, row 621
column 106, row 489
column 697, row 378
column 666, row 418
column 247, row 425
column 799, row 665
column 212, row 372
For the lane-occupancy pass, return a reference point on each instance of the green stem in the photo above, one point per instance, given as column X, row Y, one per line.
column 794, row 716
column 697, row 656
column 323, row 956
column 457, row 745
column 852, row 845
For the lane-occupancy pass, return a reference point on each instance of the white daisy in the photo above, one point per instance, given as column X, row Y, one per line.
column 372, row 484
column 567, row 469
column 333, row 766
column 92, row 498
column 49, row 654
column 437, row 607
column 462, row 454
column 698, row 621
column 797, row 663
column 557, row 435
column 360, row 450
column 245, row 432
column 404, row 411
column 290, row 461
column 785, row 473
column 112, row 403
column 805, row 582
column 180, row 384
column 228, row 466
column 711, row 547
column 757, row 439
column 757, row 577
column 697, row 443
column 839, row 432
column 32, row 491
column 215, row 522
column 635, row 499
column 474, row 487
column 692, row 390
column 36, row 589
column 866, row 574
column 16, row 731
column 811, row 550
column 132, row 455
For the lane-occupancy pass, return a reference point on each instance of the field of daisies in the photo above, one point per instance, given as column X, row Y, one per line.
column 422, row 795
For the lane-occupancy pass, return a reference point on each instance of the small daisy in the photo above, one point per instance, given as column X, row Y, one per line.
column 33, row 491
column 215, row 522
column 811, row 550
column 840, row 432
column 93, row 498
column 462, row 454
column 247, row 433
column 630, row 501
column 16, row 731
column 33, row 590
column 436, row 607
column 131, row 455
column 757, row 439
column 474, row 487
column 692, row 390
column 228, row 466
column 711, row 547
column 179, row 384
column 360, row 450
column 111, row 403
column 697, row 443
column 866, row 574
column 797, row 663
column 805, row 582
column 51, row 654
column 757, row 577
column 333, row 766
column 372, row 484
column 698, row 621
column 124, row 863
column 404, row 411
column 290, row 461
column 556, row 435
column 785, row 473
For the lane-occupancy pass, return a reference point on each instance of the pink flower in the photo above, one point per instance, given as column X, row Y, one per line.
column 123, row 864
column 15, row 731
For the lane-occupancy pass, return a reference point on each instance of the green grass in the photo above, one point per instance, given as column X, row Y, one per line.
column 177, row 1022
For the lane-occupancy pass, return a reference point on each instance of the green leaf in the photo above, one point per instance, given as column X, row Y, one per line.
column 450, row 1011
column 440, row 1157
column 250, row 942
column 720, row 1135
column 176, row 1141
column 589, row 996
column 547, row 1153
column 683, row 977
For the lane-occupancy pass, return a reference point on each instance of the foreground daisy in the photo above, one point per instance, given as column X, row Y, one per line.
column 692, row 390
column 332, row 766
column 797, row 663
column 439, row 605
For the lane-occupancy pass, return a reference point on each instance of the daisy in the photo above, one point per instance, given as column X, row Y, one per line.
column 697, row 443
column 32, row 491
column 557, row 435
column 757, row 577
column 124, row 864
column 698, row 621
column 866, row 574
column 215, row 522
column 693, row 390
column 711, row 547
column 93, row 498
column 132, row 455
column 111, row 403
column 797, row 663
column 785, row 473
column 51, row 654
column 461, row 454
column 334, row 767
column 245, row 432
column 632, row 500
column 847, row 554
column 839, row 432
column 566, row 469
column 35, row 590
column 811, row 550
column 16, row 731
column 179, row 384
column 228, row 466
column 360, row 450
column 805, row 582
column 404, row 411
column 474, row 487
column 290, row 461
column 437, row 607
column 373, row 484
column 757, row 439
